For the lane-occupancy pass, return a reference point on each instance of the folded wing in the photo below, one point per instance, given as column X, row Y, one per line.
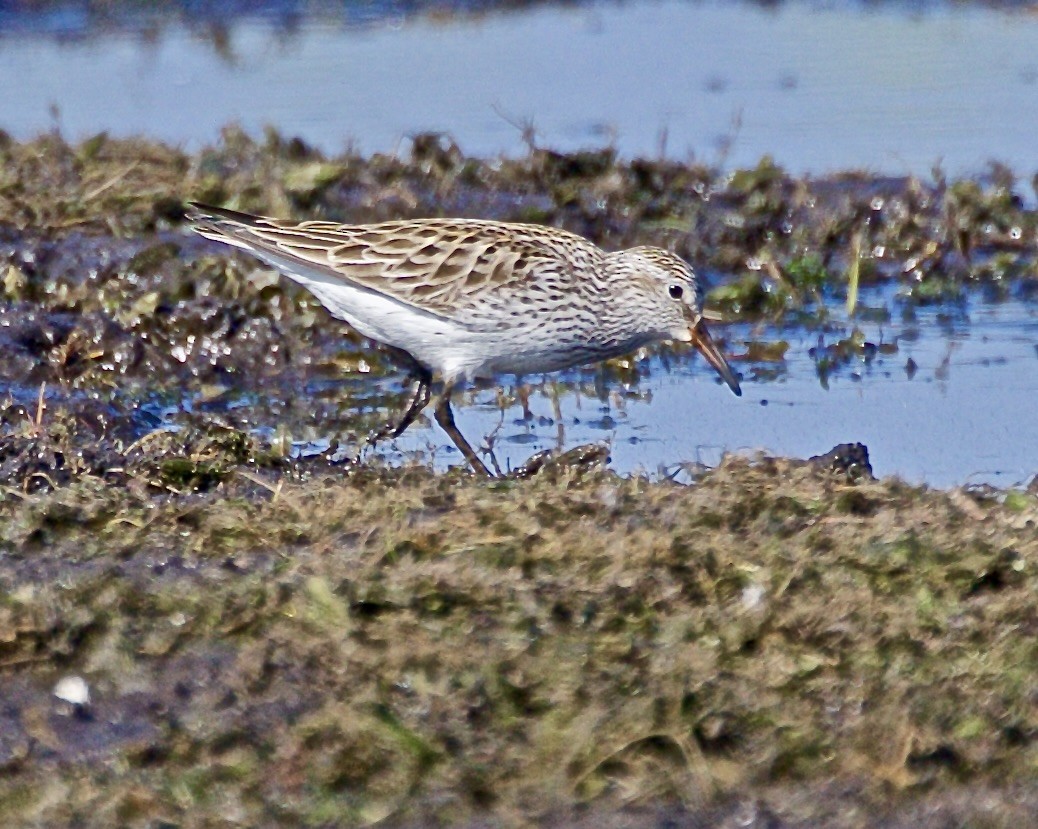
column 442, row 266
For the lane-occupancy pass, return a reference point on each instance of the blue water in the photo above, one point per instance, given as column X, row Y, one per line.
column 891, row 87
column 963, row 414
column 942, row 395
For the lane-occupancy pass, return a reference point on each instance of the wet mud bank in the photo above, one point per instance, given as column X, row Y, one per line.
column 118, row 320
column 269, row 634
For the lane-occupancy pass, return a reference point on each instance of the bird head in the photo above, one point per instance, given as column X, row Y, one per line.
column 671, row 287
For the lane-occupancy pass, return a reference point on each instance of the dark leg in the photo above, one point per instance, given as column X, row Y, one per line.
column 421, row 396
column 403, row 359
column 445, row 417
column 421, row 399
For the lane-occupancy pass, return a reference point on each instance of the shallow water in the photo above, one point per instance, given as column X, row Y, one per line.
column 964, row 414
column 942, row 395
column 893, row 87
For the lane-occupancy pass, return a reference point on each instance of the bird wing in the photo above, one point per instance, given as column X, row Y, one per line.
column 443, row 266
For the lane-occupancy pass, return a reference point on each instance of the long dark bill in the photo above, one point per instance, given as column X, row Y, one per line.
column 702, row 340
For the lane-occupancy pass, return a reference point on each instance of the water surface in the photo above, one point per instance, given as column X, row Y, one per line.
column 951, row 402
column 894, row 87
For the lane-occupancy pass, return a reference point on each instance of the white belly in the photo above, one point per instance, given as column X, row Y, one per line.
column 446, row 347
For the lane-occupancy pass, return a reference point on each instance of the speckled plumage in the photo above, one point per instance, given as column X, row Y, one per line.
column 467, row 298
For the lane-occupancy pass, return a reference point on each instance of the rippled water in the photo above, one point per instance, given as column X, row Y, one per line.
column 894, row 87
column 949, row 399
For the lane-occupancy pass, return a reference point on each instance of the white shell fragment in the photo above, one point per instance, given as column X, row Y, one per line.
column 73, row 689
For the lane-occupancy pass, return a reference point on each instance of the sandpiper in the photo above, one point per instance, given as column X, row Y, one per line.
column 460, row 299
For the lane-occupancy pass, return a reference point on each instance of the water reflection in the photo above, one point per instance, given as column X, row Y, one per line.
column 70, row 20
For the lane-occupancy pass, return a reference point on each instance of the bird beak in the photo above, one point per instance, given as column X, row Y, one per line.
column 708, row 348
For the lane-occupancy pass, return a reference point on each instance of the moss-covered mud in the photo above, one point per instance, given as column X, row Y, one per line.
column 428, row 648
column 271, row 639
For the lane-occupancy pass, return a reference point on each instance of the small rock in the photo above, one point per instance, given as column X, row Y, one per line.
column 850, row 458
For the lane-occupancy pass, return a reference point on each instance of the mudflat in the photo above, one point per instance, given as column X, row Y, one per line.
column 270, row 638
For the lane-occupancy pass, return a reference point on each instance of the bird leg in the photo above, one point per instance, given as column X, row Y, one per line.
column 403, row 359
column 445, row 417
column 416, row 371
column 419, row 402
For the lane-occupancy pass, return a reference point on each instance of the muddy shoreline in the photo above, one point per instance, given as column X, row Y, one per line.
column 122, row 321
column 271, row 638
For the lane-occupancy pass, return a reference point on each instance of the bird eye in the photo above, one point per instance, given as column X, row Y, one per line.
column 676, row 291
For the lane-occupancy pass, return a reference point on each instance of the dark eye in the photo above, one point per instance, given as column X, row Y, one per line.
column 676, row 291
